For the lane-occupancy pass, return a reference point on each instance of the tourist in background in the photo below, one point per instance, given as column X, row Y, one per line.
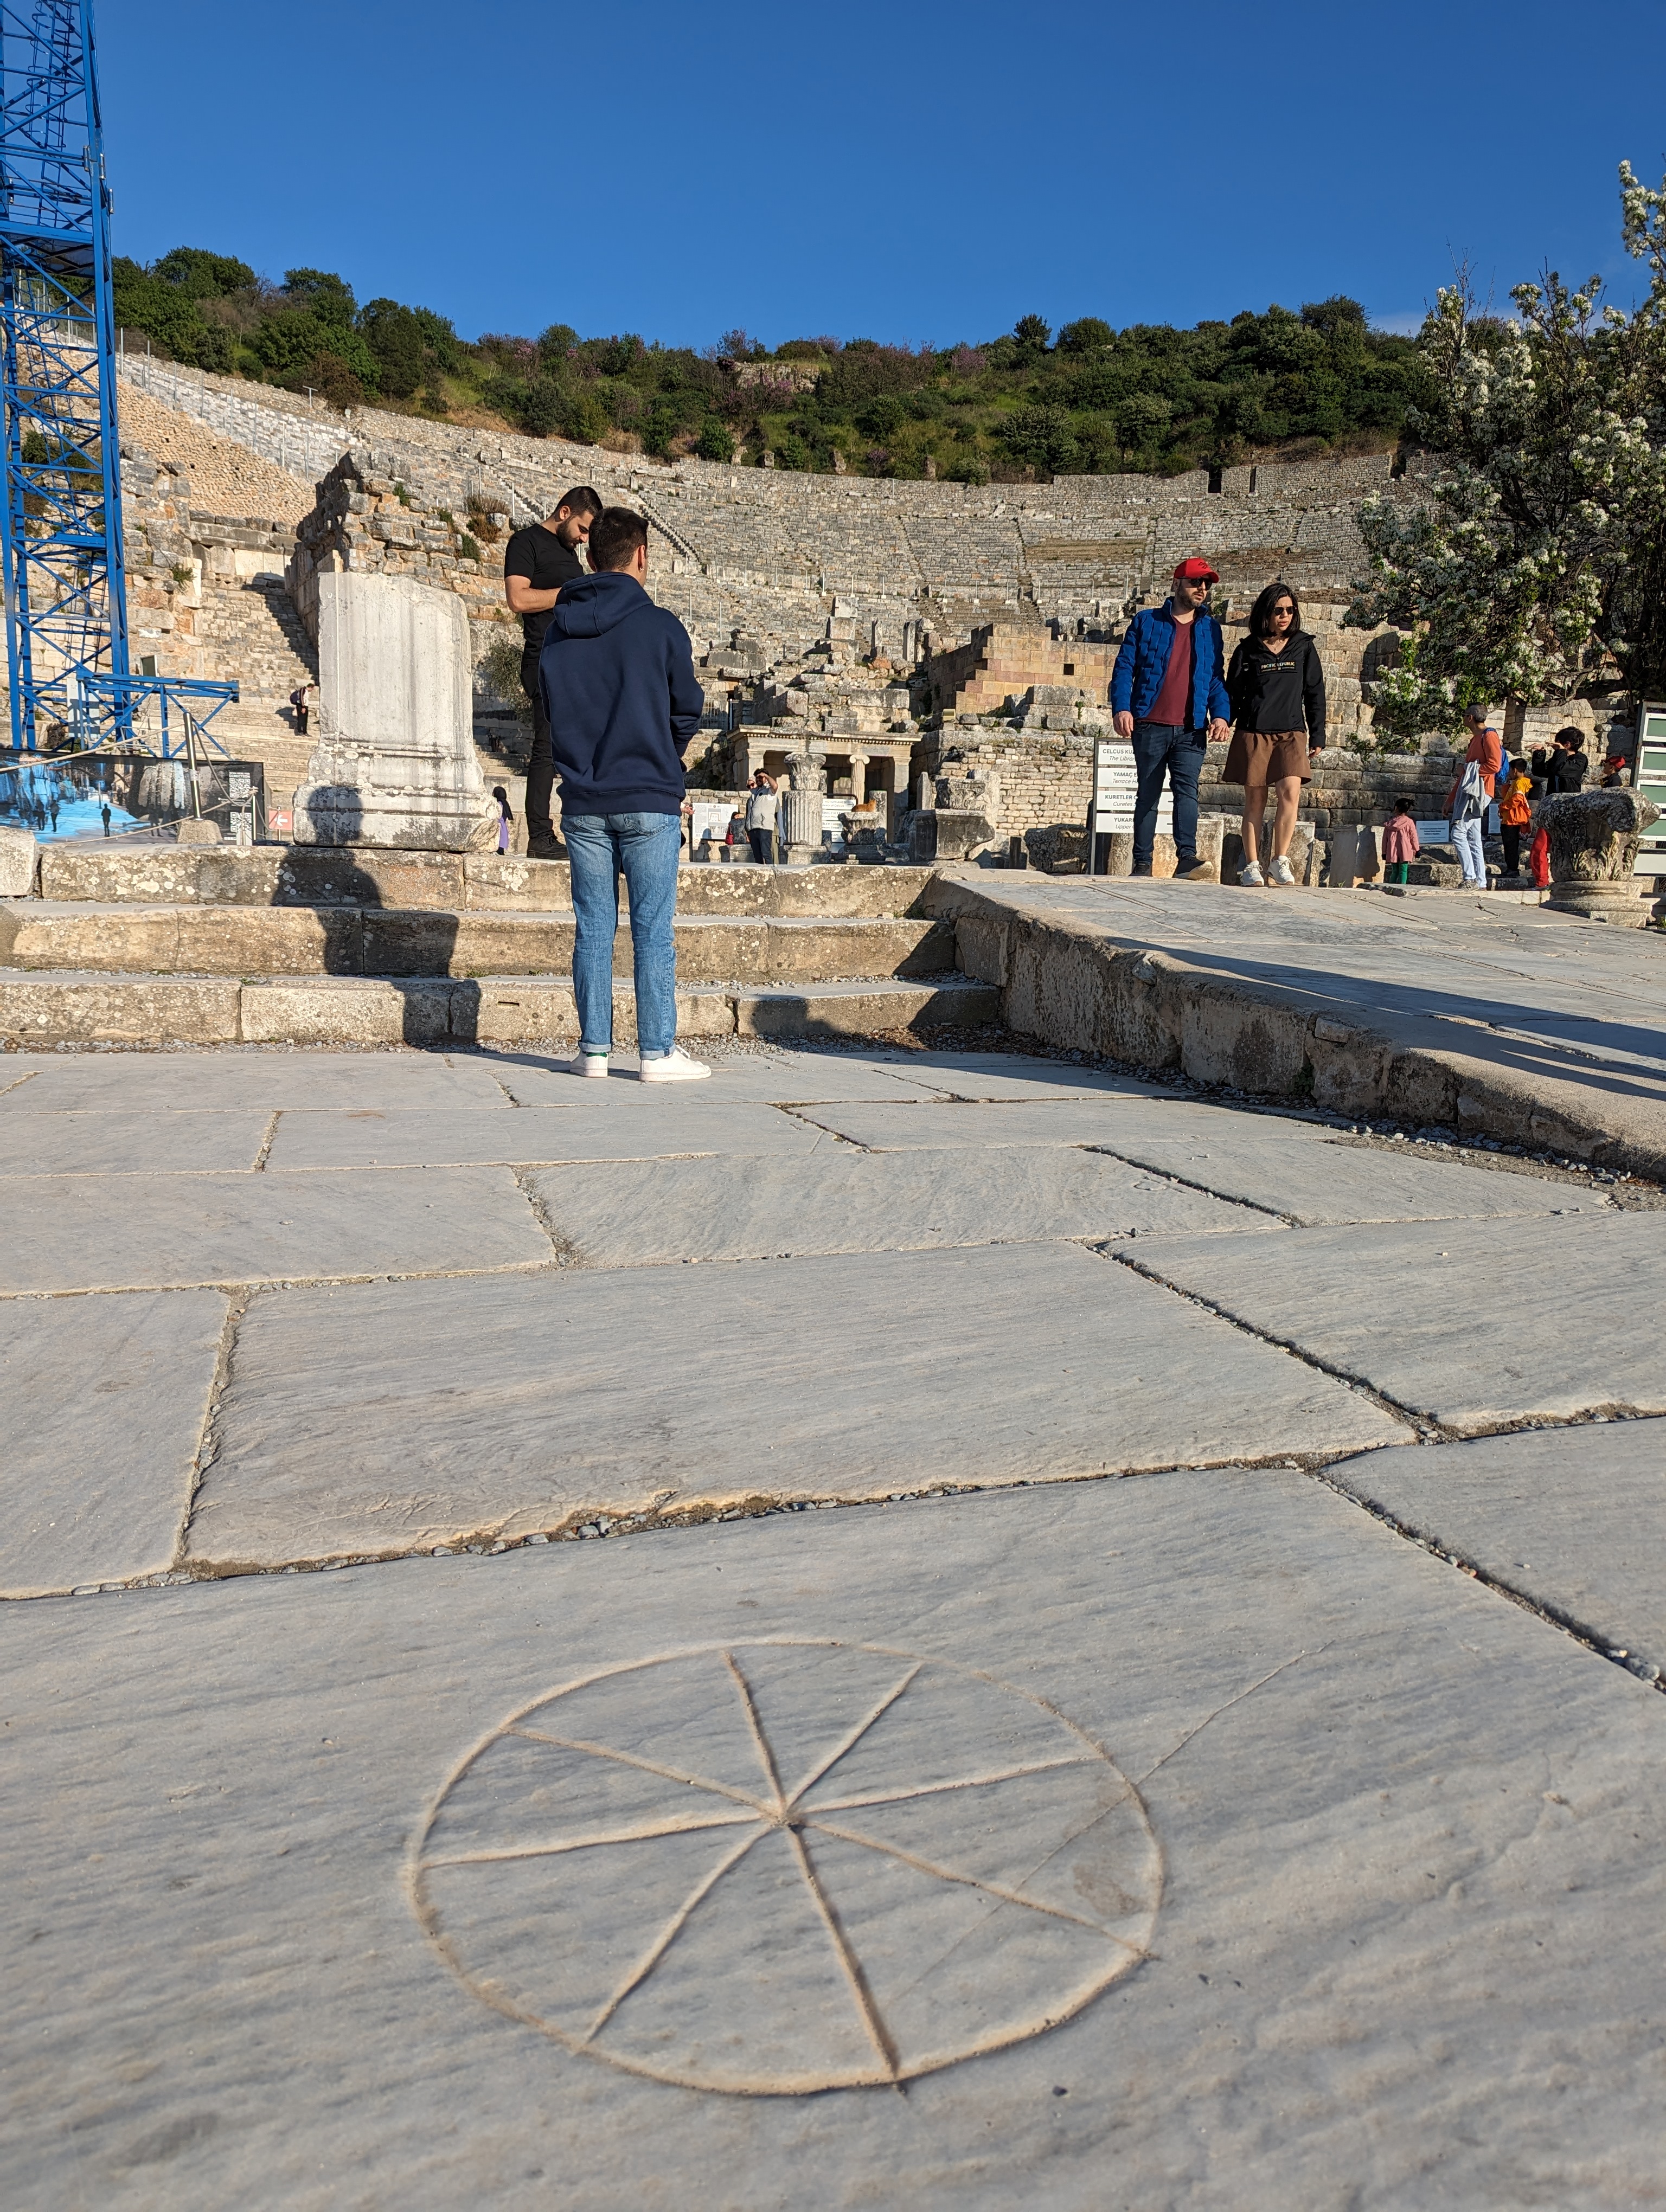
column 1514, row 812
column 1400, row 843
column 620, row 696
column 537, row 563
column 1471, row 795
column 1277, row 690
column 1573, row 762
column 761, row 805
column 1168, row 695
column 1614, row 771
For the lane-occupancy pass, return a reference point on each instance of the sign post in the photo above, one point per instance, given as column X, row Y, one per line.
column 1115, row 782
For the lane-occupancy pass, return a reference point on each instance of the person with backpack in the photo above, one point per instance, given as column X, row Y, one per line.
column 1471, row 795
column 1277, row 690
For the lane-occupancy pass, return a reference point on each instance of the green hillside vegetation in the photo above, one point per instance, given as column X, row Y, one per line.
column 1022, row 407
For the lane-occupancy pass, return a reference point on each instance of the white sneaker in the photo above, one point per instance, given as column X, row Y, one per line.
column 587, row 1063
column 673, row 1066
column 1283, row 874
column 1251, row 877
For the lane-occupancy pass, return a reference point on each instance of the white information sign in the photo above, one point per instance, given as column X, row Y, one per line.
column 1115, row 782
column 711, row 819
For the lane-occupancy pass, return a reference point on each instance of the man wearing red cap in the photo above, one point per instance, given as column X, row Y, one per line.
column 1168, row 692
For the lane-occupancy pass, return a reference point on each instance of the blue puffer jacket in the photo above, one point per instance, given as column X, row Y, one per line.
column 1140, row 665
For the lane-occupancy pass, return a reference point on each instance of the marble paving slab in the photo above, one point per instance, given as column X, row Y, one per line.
column 1001, row 1075
column 660, row 1211
column 533, row 1078
column 1472, row 1325
column 161, row 1231
column 105, row 1402
column 1403, row 1952
column 155, row 1082
column 1103, row 1119
column 1574, row 1519
column 109, row 1142
column 527, row 1402
column 1296, row 1168
column 671, row 1122
column 1268, row 1163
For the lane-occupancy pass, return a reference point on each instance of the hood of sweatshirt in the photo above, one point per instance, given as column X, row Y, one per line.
column 591, row 605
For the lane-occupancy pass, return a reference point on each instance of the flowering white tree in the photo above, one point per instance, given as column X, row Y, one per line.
column 1534, row 564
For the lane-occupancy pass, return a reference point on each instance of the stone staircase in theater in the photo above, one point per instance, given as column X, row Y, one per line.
column 162, row 945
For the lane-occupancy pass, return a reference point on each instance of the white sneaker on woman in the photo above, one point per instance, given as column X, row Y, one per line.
column 1283, row 874
column 588, row 1063
column 673, row 1066
column 1251, row 877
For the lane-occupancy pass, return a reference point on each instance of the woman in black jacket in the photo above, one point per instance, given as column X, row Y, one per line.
column 1278, row 692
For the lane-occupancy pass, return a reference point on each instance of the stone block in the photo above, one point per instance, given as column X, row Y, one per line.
column 348, row 1010
column 395, row 763
column 18, row 853
column 362, row 876
column 95, row 1009
column 1355, row 858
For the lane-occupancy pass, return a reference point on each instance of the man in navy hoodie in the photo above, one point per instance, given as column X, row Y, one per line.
column 1168, row 692
column 618, row 677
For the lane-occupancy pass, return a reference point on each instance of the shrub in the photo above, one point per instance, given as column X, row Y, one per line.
column 498, row 671
column 1042, row 437
column 586, row 420
column 329, row 375
column 540, row 408
column 715, row 442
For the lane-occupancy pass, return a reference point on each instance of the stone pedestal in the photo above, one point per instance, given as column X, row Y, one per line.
column 17, row 862
column 395, row 762
column 798, row 814
column 1594, row 839
column 1355, row 857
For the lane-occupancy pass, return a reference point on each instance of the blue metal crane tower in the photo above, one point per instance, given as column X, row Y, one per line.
column 65, row 581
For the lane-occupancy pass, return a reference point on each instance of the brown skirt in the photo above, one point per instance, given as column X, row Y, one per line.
column 1260, row 756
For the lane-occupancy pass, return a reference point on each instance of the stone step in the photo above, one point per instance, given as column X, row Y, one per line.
column 86, row 1008
column 378, row 941
column 312, row 875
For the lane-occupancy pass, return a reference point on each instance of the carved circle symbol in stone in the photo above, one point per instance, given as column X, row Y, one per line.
column 777, row 1867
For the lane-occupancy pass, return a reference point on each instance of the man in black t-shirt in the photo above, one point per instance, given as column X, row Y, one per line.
column 537, row 562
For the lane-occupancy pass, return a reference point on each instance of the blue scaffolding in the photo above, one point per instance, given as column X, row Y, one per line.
column 65, row 570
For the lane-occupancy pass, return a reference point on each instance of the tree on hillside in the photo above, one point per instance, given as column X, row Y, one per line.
column 1535, row 567
column 203, row 276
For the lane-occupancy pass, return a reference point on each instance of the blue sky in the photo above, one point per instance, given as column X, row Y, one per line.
column 910, row 172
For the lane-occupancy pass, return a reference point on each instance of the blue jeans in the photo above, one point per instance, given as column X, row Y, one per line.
column 1466, row 837
column 646, row 847
column 1158, row 746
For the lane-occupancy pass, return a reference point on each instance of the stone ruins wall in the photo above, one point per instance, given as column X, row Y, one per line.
column 767, row 551
column 866, row 618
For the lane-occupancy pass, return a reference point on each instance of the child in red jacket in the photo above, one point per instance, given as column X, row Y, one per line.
column 1400, row 842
